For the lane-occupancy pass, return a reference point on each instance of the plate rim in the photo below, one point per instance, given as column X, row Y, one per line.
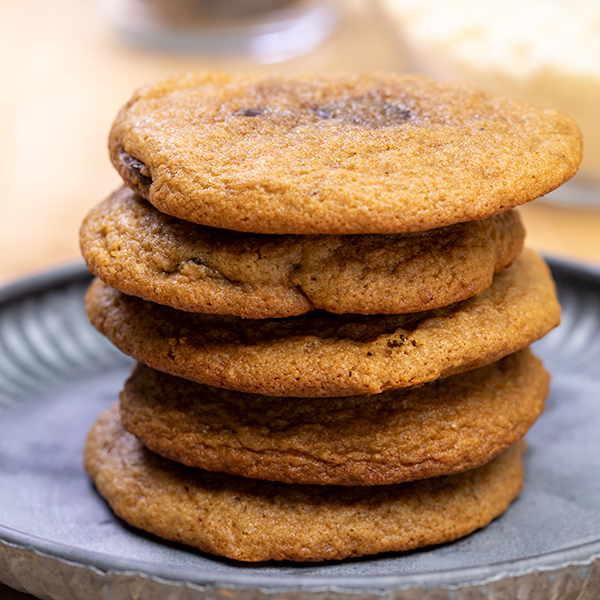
column 43, row 281
column 580, row 555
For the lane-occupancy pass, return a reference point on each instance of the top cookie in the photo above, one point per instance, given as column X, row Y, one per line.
column 336, row 154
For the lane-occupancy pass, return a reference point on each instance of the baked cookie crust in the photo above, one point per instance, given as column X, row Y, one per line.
column 444, row 427
column 337, row 153
column 136, row 249
column 322, row 354
column 251, row 520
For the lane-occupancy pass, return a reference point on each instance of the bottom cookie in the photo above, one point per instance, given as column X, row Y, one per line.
column 252, row 520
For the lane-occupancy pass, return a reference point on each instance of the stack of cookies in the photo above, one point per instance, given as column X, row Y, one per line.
column 326, row 290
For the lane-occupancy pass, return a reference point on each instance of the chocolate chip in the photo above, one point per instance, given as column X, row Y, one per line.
column 365, row 111
column 397, row 343
column 321, row 113
column 197, row 261
column 138, row 171
column 249, row 112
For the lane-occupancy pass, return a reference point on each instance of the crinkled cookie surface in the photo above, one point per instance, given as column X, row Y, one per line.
column 142, row 252
column 338, row 153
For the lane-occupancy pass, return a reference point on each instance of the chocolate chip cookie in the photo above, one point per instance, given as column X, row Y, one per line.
column 142, row 252
column 444, row 427
column 322, row 354
column 251, row 520
column 337, row 153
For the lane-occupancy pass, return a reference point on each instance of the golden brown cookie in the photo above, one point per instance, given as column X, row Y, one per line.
column 337, row 153
column 253, row 520
column 142, row 252
column 322, row 354
column 440, row 428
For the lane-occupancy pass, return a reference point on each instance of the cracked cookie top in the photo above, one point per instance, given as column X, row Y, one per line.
column 337, row 154
column 143, row 252
column 444, row 427
column 252, row 520
column 321, row 354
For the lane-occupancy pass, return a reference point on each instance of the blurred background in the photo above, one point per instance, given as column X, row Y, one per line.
column 68, row 65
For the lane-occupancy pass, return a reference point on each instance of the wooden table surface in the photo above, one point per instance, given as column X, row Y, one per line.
column 64, row 76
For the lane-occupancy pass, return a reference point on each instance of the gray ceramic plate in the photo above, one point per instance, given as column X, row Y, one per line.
column 59, row 540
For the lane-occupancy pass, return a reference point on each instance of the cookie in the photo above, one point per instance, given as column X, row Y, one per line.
column 440, row 428
column 322, row 354
column 142, row 252
column 485, row 47
column 337, row 153
column 252, row 520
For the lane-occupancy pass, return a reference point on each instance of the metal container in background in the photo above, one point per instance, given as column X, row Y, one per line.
column 268, row 31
